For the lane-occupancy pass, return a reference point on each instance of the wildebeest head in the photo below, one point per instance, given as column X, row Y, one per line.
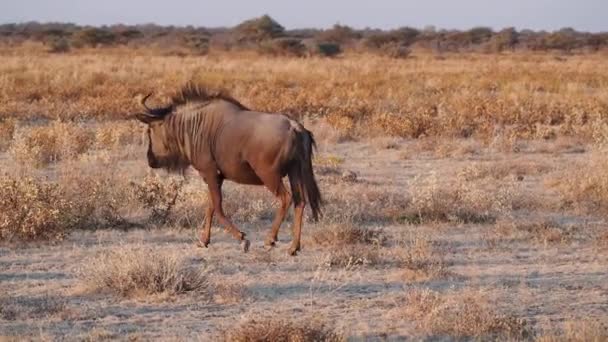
column 161, row 152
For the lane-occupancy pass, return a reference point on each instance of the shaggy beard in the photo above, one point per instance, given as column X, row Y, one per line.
column 174, row 165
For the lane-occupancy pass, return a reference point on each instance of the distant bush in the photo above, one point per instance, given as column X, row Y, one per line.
column 258, row 329
column 93, row 37
column 325, row 49
column 197, row 44
column 58, row 45
column 283, row 47
column 503, row 40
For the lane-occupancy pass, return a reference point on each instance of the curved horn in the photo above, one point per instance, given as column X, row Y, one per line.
column 143, row 101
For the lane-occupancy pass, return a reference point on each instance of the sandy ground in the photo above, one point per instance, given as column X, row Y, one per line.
column 544, row 283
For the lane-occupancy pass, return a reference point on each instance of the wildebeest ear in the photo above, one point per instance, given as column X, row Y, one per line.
column 146, row 118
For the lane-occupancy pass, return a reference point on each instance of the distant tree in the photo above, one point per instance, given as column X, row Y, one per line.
column 259, row 29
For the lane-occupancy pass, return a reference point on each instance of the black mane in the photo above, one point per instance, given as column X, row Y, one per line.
column 190, row 93
column 194, row 92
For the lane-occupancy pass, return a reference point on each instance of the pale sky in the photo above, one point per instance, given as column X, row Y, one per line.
column 584, row 15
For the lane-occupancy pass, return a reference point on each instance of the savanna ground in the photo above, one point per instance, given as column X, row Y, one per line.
column 465, row 198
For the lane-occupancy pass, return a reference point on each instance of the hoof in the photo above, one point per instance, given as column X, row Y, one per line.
column 245, row 245
column 202, row 244
column 269, row 244
column 293, row 251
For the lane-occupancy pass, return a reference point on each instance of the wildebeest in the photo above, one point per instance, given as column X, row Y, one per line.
column 224, row 140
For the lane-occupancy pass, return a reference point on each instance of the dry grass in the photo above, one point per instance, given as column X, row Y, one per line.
column 457, row 200
column 506, row 169
column 142, row 272
column 31, row 209
column 577, row 331
column 349, row 257
column 514, row 98
column 461, row 315
column 7, row 128
column 540, row 231
column 422, row 259
column 585, row 186
column 272, row 328
column 39, row 146
column 19, row 308
column 347, row 234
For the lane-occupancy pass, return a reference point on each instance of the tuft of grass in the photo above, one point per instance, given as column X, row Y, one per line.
column 271, row 328
column 350, row 257
column 457, row 201
column 461, row 315
column 140, row 272
column 422, row 259
column 347, row 234
column 545, row 232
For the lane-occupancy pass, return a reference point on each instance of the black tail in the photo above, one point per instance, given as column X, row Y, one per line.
column 300, row 173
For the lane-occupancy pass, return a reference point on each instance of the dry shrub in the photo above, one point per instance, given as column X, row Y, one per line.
column 347, row 234
column 585, row 186
column 577, row 331
column 350, row 257
column 458, row 201
column 113, row 135
column 422, row 259
column 31, row 209
column 39, row 146
column 158, row 196
column 461, row 315
column 7, row 128
column 132, row 272
column 267, row 329
column 100, row 195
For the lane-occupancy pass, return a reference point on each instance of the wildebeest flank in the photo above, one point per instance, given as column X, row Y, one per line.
column 224, row 140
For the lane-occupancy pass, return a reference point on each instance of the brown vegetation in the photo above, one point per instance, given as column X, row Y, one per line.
column 143, row 272
column 461, row 315
column 262, row 329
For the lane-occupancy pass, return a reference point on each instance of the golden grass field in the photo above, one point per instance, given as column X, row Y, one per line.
column 466, row 198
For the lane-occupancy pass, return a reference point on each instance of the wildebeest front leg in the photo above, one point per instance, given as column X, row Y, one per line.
column 206, row 231
column 216, row 197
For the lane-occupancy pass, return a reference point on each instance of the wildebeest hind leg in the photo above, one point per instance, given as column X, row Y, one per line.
column 216, row 197
column 285, row 201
